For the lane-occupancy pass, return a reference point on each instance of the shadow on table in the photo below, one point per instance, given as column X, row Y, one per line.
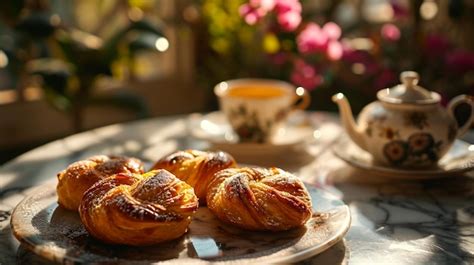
column 129, row 139
column 290, row 160
column 146, row 140
column 336, row 255
column 431, row 218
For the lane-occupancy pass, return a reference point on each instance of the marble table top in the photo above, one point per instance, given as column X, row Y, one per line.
column 393, row 222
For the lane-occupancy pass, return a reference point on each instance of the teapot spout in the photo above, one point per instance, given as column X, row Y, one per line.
column 347, row 120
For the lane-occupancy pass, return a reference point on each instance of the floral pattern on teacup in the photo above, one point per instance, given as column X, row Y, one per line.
column 249, row 128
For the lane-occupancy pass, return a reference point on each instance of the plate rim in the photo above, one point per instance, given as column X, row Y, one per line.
column 398, row 173
column 49, row 188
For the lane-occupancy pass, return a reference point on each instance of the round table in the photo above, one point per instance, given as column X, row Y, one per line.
column 398, row 222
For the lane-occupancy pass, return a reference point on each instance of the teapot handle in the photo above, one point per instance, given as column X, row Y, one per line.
column 456, row 102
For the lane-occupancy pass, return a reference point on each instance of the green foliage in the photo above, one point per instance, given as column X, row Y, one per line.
column 129, row 34
column 37, row 25
column 232, row 43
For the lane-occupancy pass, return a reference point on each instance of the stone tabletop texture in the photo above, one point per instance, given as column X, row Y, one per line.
column 393, row 222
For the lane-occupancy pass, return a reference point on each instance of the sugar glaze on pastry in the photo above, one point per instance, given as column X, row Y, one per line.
column 81, row 175
column 259, row 199
column 131, row 209
column 197, row 168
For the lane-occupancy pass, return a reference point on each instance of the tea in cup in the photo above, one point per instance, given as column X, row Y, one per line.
column 257, row 108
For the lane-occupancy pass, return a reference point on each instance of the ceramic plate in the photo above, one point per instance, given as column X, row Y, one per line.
column 214, row 128
column 459, row 160
column 58, row 235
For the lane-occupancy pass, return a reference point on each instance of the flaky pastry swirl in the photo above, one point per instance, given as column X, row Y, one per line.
column 81, row 175
column 196, row 168
column 138, row 210
column 259, row 199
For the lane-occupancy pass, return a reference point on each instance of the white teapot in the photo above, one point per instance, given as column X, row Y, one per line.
column 407, row 126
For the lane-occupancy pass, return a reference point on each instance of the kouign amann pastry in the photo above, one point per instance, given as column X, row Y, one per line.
column 81, row 175
column 137, row 210
column 259, row 199
column 197, row 168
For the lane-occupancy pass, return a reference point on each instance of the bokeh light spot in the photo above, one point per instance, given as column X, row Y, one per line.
column 162, row 44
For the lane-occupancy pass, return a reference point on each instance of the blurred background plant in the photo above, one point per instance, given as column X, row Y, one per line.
column 71, row 65
column 68, row 62
column 356, row 47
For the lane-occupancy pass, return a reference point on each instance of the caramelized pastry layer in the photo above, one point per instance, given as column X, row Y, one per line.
column 197, row 168
column 131, row 209
column 259, row 199
column 81, row 175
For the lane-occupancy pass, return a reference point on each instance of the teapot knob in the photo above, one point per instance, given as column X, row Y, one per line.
column 409, row 78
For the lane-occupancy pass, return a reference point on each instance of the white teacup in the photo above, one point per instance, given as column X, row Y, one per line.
column 257, row 108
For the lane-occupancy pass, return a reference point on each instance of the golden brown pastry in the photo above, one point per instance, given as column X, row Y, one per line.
column 138, row 210
column 196, row 168
column 81, row 175
column 259, row 199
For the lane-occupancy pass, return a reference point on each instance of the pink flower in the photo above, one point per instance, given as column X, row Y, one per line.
column 254, row 10
column 312, row 39
column 305, row 75
column 250, row 14
column 332, row 30
column 288, row 14
column 390, row 32
column 265, row 5
column 334, row 51
column 289, row 21
column 283, row 6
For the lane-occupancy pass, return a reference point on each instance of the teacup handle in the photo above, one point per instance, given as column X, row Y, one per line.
column 303, row 97
column 456, row 102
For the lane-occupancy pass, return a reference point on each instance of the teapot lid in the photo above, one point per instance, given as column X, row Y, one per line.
column 408, row 91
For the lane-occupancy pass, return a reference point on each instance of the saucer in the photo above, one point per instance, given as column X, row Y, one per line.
column 214, row 128
column 459, row 160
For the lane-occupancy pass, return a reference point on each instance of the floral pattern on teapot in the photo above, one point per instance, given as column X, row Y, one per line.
column 420, row 148
column 408, row 140
column 407, row 126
